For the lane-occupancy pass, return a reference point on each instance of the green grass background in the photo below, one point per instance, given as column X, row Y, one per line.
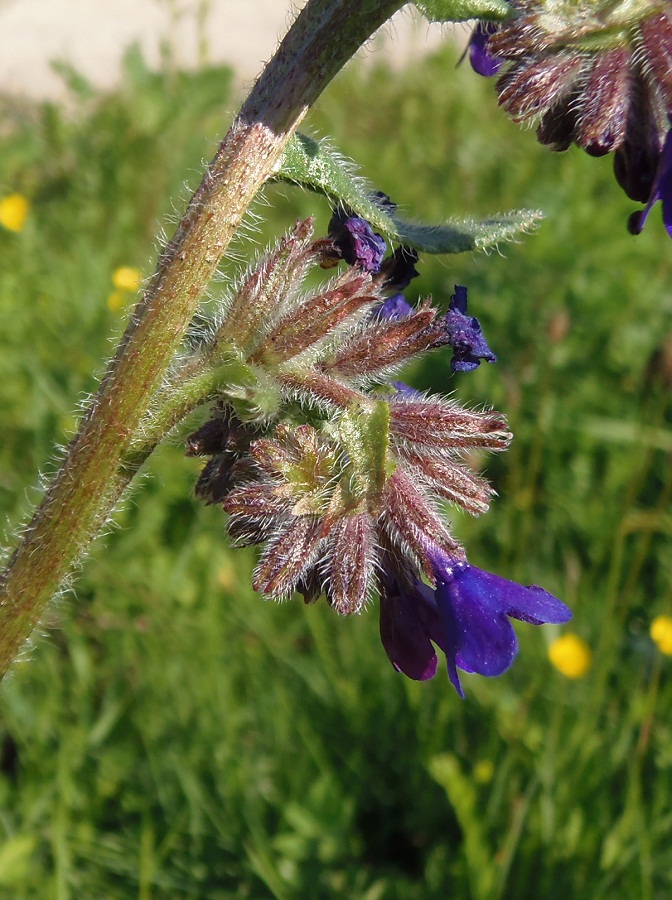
column 169, row 735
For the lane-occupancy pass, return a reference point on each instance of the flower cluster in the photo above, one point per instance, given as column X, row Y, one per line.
column 338, row 472
column 594, row 74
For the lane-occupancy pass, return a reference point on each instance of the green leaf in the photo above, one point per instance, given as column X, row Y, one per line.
column 317, row 166
column 460, row 235
column 461, row 10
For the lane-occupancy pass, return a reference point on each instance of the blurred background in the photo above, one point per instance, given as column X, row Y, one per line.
column 170, row 735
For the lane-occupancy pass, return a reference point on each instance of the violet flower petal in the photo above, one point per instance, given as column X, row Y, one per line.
column 405, row 630
column 482, row 62
column 357, row 242
column 407, row 391
column 474, row 606
column 661, row 190
column 395, row 307
column 463, row 333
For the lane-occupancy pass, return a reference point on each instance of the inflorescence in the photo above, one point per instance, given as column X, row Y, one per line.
column 338, row 472
column 596, row 74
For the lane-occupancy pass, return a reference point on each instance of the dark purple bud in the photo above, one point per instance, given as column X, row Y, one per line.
column 661, row 190
column 475, row 605
column 406, row 391
column 409, row 622
column 398, row 270
column 216, row 480
column 212, row 437
column 357, row 242
column 463, row 334
column 483, row 62
column 636, row 160
column 557, row 127
column 381, row 199
column 310, row 586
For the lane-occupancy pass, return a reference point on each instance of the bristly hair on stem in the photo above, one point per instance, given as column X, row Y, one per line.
column 94, row 474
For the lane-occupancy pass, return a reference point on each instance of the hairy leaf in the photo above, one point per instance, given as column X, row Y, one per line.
column 317, row 166
column 461, row 10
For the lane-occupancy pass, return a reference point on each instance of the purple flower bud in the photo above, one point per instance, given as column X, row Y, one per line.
column 482, row 62
column 398, row 270
column 463, row 333
column 357, row 242
column 661, row 190
column 395, row 307
column 409, row 623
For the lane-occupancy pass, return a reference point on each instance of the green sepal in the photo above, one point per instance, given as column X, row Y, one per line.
column 252, row 392
column 461, row 10
column 365, row 435
column 317, row 166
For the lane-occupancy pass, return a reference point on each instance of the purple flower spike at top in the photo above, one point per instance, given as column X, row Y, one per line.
column 475, row 605
column 357, row 242
column 463, row 333
column 661, row 190
column 482, row 62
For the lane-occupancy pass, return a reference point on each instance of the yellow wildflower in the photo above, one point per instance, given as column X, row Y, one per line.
column 483, row 771
column 126, row 278
column 116, row 300
column 570, row 655
column 14, row 211
column 661, row 634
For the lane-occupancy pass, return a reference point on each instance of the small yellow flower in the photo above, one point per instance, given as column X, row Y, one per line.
column 14, row 210
column 483, row 771
column 126, row 278
column 570, row 655
column 661, row 634
column 116, row 300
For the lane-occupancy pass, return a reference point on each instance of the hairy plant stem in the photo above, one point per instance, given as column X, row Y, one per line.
column 93, row 475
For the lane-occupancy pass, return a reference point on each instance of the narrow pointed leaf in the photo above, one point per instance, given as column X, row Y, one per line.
column 317, row 166
column 461, row 235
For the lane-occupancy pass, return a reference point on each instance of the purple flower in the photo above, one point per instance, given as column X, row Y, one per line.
column 357, row 242
column 398, row 270
column 409, row 623
column 407, row 391
column 482, row 62
column 463, row 333
column 661, row 190
column 466, row 616
column 395, row 307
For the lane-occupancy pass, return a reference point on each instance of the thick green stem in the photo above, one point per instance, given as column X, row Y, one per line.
column 83, row 494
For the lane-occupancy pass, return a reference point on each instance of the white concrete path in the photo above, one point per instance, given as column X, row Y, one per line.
column 91, row 35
